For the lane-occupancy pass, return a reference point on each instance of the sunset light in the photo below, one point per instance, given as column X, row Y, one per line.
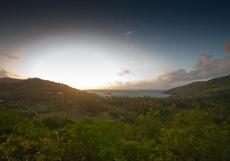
column 115, row 80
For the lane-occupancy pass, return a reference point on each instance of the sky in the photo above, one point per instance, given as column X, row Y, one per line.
column 115, row 44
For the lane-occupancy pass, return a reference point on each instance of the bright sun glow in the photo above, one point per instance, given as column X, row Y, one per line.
column 84, row 62
column 80, row 65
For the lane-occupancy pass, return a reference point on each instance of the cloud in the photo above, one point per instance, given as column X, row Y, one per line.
column 11, row 55
column 207, row 67
column 124, row 71
column 130, row 32
column 3, row 73
column 227, row 47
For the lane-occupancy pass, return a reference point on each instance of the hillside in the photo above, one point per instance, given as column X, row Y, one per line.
column 47, row 97
column 135, row 129
column 141, row 128
column 214, row 87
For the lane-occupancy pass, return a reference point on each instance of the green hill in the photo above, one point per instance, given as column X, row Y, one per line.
column 47, row 97
column 214, row 87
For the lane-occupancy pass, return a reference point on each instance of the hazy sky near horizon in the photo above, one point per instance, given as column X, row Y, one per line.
column 115, row 44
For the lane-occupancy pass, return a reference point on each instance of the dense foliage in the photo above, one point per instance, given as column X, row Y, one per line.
column 192, row 134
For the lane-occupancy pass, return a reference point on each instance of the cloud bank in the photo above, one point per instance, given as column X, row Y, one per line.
column 206, row 67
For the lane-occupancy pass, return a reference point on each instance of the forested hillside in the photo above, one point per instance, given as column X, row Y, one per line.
column 46, row 97
column 217, row 86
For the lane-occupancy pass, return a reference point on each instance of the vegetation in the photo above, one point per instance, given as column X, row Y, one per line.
column 217, row 86
column 50, row 98
column 175, row 128
column 193, row 134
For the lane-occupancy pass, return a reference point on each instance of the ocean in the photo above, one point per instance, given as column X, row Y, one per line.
column 129, row 93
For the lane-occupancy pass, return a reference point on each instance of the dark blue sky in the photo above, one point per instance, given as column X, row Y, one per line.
column 188, row 24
